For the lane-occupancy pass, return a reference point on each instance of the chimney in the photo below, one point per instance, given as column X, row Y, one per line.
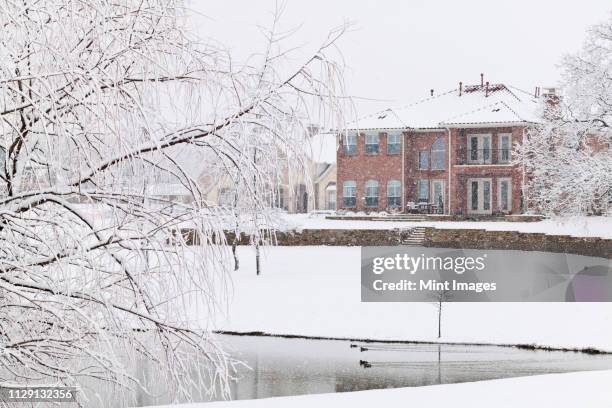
column 481, row 79
column 460, row 88
column 487, row 90
column 431, row 92
column 552, row 99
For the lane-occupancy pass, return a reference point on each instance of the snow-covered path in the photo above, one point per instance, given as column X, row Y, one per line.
column 315, row 291
column 571, row 390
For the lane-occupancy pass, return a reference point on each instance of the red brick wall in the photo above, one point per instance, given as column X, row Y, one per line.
column 361, row 168
column 415, row 142
column 383, row 167
column 461, row 173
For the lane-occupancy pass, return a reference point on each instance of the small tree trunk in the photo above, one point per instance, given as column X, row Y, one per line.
column 440, row 319
column 257, row 268
column 236, row 261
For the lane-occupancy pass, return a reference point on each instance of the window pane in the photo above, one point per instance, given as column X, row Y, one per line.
column 371, row 143
column 505, row 141
column 437, row 192
column 349, row 202
column 486, row 148
column 331, row 200
column 393, row 143
column 350, row 145
column 437, row 160
column 423, row 190
column 394, row 148
column 371, row 194
column 473, row 148
column 226, row 197
column 423, row 160
column 505, row 148
column 504, row 195
column 474, row 195
column 371, row 148
column 349, row 194
column 486, row 192
column 393, row 193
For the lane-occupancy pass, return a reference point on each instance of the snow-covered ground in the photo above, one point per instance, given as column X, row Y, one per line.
column 575, row 226
column 315, row 291
column 571, row 390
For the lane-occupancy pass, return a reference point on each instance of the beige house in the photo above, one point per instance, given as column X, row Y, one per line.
column 323, row 175
column 297, row 193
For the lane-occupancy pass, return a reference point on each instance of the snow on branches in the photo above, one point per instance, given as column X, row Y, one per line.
column 568, row 157
column 101, row 102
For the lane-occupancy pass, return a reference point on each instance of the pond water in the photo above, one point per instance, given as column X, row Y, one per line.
column 283, row 366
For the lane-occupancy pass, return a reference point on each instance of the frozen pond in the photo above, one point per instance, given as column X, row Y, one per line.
column 281, row 366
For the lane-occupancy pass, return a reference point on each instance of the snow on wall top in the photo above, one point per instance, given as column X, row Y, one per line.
column 501, row 104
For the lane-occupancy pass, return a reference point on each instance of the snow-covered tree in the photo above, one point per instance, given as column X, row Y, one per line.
column 568, row 157
column 100, row 101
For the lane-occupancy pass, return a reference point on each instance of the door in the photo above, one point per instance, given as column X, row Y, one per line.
column 479, row 196
column 437, row 195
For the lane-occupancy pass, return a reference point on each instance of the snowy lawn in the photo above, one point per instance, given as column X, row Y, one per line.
column 315, row 291
column 571, row 390
column 575, row 226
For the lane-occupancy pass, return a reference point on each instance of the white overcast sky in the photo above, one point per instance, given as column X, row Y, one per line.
column 398, row 50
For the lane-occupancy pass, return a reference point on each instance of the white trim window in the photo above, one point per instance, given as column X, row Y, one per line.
column 331, row 197
column 349, row 194
column 438, row 151
column 479, row 196
column 479, row 149
column 504, row 194
column 394, row 194
column 350, row 144
column 371, row 143
column 371, row 194
column 504, row 147
column 394, row 141
column 226, row 197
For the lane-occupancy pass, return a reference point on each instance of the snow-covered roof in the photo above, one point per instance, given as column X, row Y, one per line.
column 474, row 105
column 323, row 147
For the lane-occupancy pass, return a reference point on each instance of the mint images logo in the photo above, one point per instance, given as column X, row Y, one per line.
column 412, row 264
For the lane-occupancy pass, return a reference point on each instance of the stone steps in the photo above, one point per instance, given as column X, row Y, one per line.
column 412, row 237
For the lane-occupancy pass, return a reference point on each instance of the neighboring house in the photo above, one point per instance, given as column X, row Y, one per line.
column 294, row 193
column 451, row 152
column 324, row 147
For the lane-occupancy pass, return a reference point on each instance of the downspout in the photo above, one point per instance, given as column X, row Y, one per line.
column 523, row 178
column 403, row 174
column 448, row 211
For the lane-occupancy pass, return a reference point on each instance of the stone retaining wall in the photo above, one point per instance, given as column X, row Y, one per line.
column 444, row 238
column 512, row 240
column 331, row 237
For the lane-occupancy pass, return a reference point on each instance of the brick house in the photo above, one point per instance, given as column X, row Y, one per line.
column 450, row 153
